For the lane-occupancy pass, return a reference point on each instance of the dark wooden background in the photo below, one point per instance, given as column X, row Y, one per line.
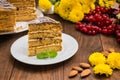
column 11, row 69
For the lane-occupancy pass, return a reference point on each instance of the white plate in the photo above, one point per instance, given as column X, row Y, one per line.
column 19, row 50
column 19, row 27
column 22, row 26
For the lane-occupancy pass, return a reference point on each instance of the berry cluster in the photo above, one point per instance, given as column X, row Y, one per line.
column 99, row 20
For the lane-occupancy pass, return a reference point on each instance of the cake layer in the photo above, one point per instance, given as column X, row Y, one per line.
column 25, row 9
column 38, row 42
column 6, row 26
column 25, row 17
column 31, row 3
column 7, row 16
column 29, row 11
column 45, row 26
column 7, row 22
column 33, row 51
column 7, row 29
column 43, row 35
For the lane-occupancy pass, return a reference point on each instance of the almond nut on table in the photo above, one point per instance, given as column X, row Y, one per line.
column 79, row 69
column 84, row 65
column 85, row 73
column 73, row 73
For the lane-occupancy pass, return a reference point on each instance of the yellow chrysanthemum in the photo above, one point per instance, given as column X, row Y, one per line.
column 75, row 15
column 114, row 60
column 45, row 4
column 97, row 58
column 85, row 8
column 92, row 6
column 106, row 3
column 65, row 8
column 109, row 3
column 56, row 7
column 101, row 3
column 103, row 69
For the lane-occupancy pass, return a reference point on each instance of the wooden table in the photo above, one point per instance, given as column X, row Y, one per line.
column 11, row 69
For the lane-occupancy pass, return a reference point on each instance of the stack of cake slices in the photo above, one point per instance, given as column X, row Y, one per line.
column 25, row 11
column 7, row 16
column 44, row 33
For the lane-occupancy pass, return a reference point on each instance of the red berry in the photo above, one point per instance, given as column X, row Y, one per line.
column 118, row 35
column 104, row 31
column 94, row 32
column 91, row 18
column 89, row 32
column 78, row 23
column 89, row 27
column 84, row 29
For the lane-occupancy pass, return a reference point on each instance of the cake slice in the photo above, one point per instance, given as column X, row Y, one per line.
column 44, row 33
column 7, row 16
column 26, row 9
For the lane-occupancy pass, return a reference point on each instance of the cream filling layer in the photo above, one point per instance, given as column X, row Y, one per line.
column 45, row 46
column 44, row 39
column 45, row 31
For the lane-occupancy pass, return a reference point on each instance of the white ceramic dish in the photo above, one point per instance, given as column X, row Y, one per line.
column 19, row 50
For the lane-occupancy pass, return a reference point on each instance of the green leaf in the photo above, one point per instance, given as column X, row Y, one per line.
column 53, row 1
column 52, row 54
column 47, row 54
column 42, row 55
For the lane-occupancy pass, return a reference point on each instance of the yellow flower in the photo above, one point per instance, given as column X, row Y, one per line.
column 56, row 7
column 109, row 3
column 83, row 1
column 114, row 60
column 92, row 6
column 45, row 4
column 85, row 8
column 106, row 3
column 101, row 3
column 73, row 10
column 64, row 10
column 76, row 15
column 97, row 58
column 103, row 69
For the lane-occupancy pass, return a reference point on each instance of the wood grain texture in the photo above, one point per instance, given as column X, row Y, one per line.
column 11, row 69
column 6, row 60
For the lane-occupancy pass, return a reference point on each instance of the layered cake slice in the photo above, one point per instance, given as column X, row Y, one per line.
column 7, row 17
column 44, row 33
column 26, row 9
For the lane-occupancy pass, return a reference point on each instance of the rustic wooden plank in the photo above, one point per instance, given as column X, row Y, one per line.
column 6, row 60
column 29, row 72
column 87, row 45
column 110, row 42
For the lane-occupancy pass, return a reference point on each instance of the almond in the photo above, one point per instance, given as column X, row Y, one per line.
column 85, row 72
column 73, row 73
column 111, row 50
column 105, row 53
column 84, row 65
column 79, row 69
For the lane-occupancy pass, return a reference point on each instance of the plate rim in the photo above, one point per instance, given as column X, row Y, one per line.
column 59, row 61
column 15, row 31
